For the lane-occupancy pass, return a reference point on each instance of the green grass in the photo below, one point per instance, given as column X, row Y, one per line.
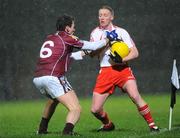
column 20, row 119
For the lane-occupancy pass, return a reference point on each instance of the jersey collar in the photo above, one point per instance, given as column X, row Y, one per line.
column 111, row 27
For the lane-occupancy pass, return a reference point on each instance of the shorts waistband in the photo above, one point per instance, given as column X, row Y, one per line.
column 116, row 67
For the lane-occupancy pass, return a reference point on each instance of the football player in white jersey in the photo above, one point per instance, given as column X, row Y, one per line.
column 114, row 74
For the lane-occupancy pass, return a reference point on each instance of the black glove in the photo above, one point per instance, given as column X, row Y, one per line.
column 116, row 58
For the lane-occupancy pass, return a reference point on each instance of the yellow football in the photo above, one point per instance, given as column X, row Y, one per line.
column 120, row 48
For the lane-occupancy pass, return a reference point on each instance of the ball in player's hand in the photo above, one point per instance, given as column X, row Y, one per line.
column 118, row 51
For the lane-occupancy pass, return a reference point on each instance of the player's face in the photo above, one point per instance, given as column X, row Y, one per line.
column 105, row 18
column 71, row 29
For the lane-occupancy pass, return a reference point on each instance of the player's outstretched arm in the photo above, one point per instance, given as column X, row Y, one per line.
column 110, row 36
column 94, row 45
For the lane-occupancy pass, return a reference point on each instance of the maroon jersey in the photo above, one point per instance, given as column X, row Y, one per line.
column 55, row 54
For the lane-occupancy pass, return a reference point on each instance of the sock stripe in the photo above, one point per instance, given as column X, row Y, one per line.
column 145, row 111
column 143, row 107
column 152, row 124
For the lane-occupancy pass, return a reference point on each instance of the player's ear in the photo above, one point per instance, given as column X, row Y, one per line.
column 67, row 29
column 112, row 17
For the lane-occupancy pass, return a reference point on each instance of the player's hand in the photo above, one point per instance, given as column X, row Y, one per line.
column 77, row 55
column 116, row 58
column 112, row 36
column 87, row 52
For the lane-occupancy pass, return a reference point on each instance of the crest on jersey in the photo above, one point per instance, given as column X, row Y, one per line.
column 74, row 37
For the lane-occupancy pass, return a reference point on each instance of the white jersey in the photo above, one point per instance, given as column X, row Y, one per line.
column 100, row 33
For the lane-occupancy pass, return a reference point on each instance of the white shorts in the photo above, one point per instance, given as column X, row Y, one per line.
column 52, row 86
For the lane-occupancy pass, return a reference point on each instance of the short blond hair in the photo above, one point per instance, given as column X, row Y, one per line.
column 108, row 8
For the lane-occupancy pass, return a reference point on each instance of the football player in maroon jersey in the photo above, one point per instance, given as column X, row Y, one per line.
column 49, row 77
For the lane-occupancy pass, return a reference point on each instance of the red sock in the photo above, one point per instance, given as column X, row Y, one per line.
column 102, row 116
column 145, row 112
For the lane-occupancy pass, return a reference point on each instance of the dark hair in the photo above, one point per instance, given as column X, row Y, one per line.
column 108, row 8
column 63, row 21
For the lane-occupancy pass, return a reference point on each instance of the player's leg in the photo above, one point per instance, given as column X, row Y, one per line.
column 61, row 90
column 103, row 88
column 98, row 101
column 70, row 101
column 131, row 88
column 47, row 114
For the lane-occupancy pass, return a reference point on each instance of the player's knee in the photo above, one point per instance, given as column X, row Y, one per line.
column 79, row 109
column 76, row 108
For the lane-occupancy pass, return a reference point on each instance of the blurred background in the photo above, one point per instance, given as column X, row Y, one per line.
column 154, row 25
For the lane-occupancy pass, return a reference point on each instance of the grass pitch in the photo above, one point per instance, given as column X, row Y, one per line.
column 20, row 119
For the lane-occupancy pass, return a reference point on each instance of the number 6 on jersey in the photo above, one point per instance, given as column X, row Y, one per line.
column 46, row 52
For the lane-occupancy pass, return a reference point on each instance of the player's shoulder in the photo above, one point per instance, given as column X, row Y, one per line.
column 67, row 37
column 48, row 37
column 61, row 36
column 120, row 29
column 52, row 35
column 96, row 30
column 96, row 33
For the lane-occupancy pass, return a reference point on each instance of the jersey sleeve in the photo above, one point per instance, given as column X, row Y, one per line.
column 91, row 37
column 127, row 39
column 97, row 35
column 74, row 41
